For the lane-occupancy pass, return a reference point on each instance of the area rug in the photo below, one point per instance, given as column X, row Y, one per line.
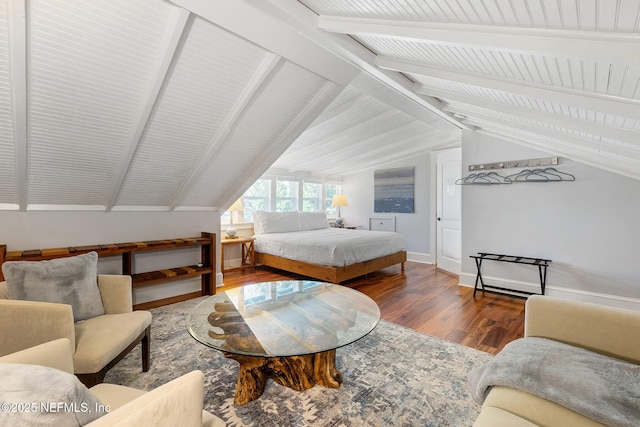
column 394, row 376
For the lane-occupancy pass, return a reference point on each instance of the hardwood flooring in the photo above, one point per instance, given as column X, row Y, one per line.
column 428, row 300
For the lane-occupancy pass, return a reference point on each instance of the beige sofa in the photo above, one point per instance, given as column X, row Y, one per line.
column 178, row 402
column 98, row 343
column 609, row 331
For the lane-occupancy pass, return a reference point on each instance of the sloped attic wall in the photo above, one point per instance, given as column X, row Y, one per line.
column 139, row 105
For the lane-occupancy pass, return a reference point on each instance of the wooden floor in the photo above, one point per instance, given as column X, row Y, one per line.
column 428, row 300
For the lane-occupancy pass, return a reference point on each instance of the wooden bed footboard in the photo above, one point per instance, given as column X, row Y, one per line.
column 328, row 273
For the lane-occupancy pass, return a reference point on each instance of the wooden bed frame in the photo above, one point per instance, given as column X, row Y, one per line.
column 332, row 274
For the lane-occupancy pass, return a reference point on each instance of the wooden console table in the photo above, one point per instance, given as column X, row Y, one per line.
column 205, row 269
column 540, row 262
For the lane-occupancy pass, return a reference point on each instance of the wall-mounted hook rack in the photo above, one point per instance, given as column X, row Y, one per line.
column 546, row 161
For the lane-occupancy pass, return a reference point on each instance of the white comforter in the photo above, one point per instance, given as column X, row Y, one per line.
column 336, row 247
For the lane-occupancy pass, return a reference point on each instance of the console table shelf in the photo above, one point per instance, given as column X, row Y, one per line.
column 206, row 269
column 541, row 263
column 141, row 279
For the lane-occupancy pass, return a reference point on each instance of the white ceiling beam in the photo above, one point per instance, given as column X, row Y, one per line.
column 624, row 167
column 261, row 78
column 603, row 147
column 175, row 30
column 598, row 45
column 392, row 88
column 567, row 145
column 474, row 103
column 397, row 92
column 290, row 30
column 18, row 76
column 592, row 101
column 307, row 115
column 250, row 21
column 304, row 36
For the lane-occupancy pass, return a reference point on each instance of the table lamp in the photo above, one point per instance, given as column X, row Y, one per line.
column 339, row 200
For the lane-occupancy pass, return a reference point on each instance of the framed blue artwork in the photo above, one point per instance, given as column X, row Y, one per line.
column 394, row 190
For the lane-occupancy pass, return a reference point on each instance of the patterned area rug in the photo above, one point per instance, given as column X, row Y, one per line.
column 395, row 376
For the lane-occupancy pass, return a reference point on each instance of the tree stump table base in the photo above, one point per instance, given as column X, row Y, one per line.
column 296, row 372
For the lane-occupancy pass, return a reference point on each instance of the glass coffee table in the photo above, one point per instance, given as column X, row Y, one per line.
column 286, row 330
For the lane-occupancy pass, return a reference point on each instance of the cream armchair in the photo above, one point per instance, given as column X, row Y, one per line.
column 99, row 342
column 614, row 332
column 178, row 402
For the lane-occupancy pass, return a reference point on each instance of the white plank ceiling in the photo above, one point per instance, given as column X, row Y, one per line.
column 180, row 105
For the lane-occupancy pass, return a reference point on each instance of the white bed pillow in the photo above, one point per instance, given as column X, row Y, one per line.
column 275, row 222
column 313, row 221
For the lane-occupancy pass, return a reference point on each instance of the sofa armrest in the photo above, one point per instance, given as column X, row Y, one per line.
column 178, row 402
column 25, row 324
column 116, row 293
column 4, row 290
column 607, row 330
column 56, row 354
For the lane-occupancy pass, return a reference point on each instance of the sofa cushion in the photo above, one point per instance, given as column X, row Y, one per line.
column 71, row 280
column 34, row 395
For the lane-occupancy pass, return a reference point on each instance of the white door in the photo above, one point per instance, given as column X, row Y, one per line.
column 448, row 210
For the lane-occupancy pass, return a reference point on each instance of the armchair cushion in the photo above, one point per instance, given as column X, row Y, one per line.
column 71, row 280
column 101, row 339
column 45, row 396
column 178, row 402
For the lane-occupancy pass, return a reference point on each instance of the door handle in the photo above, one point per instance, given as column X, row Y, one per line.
column 438, row 218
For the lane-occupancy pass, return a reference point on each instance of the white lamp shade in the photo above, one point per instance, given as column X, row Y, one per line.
column 339, row 200
column 237, row 206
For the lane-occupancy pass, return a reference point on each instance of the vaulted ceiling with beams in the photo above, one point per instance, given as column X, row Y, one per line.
column 163, row 105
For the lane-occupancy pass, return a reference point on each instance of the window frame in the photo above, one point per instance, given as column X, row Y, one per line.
column 245, row 218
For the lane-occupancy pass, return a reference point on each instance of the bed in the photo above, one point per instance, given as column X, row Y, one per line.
column 304, row 243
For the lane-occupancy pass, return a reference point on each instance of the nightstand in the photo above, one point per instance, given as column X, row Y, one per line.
column 248, row 255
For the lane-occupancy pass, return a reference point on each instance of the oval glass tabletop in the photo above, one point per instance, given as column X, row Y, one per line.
column 285, row 318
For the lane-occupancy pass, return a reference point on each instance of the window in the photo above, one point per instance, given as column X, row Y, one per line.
column 257, row 198
column 282, row 194
column 311, row 196
column 286, row 195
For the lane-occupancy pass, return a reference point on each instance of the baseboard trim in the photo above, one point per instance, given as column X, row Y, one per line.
column 468, row 280
column 420, row 257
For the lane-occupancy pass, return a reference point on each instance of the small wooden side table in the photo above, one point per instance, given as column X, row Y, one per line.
column 248, row 255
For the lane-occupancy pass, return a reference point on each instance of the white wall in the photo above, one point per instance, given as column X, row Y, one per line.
column 52, row 229
column 588, row 228
column 415, row 227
